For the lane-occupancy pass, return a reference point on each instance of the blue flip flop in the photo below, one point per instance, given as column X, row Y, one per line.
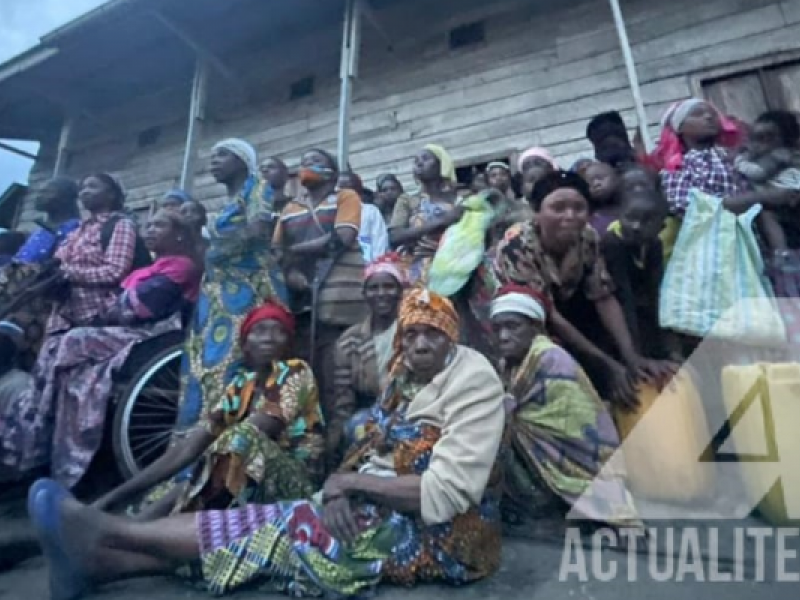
column 44, row 501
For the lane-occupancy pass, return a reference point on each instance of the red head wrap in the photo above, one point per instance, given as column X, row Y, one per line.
column 269, row 311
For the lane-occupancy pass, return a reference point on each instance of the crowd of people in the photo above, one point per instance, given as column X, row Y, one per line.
column 373, row 381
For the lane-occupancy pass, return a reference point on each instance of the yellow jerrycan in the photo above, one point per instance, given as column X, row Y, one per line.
column 663, row 440
column 763, row 406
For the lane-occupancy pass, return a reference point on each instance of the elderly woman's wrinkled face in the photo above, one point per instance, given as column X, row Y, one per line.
column 425, row 349
column 562, row 218
column 266, row 343
column 514, row 335
column 383, row 293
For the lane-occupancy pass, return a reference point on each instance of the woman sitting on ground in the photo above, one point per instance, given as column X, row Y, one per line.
column 60, row 418
column 415, row 502
column 558, row 255
column 363, row 353
column 262, row 443
column 561, row 435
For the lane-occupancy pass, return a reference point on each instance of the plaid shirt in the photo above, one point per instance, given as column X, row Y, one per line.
column 95, row 275
column 711, row 171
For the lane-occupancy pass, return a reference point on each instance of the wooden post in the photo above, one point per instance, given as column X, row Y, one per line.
column 63, row 145
column 633, row 79
column 197, row 109
column 351, row 42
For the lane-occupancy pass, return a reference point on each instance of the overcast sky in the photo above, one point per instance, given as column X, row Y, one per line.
column 22, row 23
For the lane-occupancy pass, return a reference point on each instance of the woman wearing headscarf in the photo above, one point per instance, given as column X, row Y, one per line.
column 240, row 274
column 418, row 221
column 60, row 418
column 558, row 255
column 261, row 443
column 415, row 502
column 561, row 436
column 318, row 236
column 388, row 193
column 363, row 352
column 694, row 152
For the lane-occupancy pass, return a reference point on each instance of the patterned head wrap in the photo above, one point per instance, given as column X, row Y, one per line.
column 269, row 311
column 448, row 167
column 242, row 150
column 535, row 152
column 389, row 263
column 521, row 300
column 423, row 307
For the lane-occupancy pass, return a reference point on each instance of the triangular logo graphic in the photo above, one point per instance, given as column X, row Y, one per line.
column 753, row 413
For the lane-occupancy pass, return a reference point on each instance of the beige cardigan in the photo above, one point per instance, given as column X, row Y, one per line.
column 465, row 401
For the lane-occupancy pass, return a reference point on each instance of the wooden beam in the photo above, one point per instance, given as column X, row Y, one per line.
column 197, row 110
column 63, row 145
column 199, row 49
column 17, row 151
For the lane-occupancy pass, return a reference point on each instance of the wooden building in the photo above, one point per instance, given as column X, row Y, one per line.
column 143, row 88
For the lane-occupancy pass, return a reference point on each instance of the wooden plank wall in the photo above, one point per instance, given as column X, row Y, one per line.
column 538, row 78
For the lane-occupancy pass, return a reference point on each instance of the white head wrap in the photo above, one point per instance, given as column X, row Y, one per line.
column 521, row 304
column 677, row 114
column 241, row 149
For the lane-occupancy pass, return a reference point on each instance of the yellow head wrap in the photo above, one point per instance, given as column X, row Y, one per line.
column 448, row 167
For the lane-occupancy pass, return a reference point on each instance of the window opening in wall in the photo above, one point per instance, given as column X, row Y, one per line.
column 149, row 137
column 467, row 35
column 302, row 88
column 747, row 94
column 472, row 174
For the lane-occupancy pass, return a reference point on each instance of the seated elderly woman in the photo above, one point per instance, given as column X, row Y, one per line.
column 262, row 443
column 558, row 254
column 59, row 419
column 561, row 436
column 415, row 501
column 363, row 353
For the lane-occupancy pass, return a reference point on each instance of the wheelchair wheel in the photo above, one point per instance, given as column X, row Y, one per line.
column 145, row 414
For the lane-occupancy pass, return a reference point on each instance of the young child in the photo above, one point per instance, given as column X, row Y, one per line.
column 603, row 182
column 634, row 256
column 773, row 160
